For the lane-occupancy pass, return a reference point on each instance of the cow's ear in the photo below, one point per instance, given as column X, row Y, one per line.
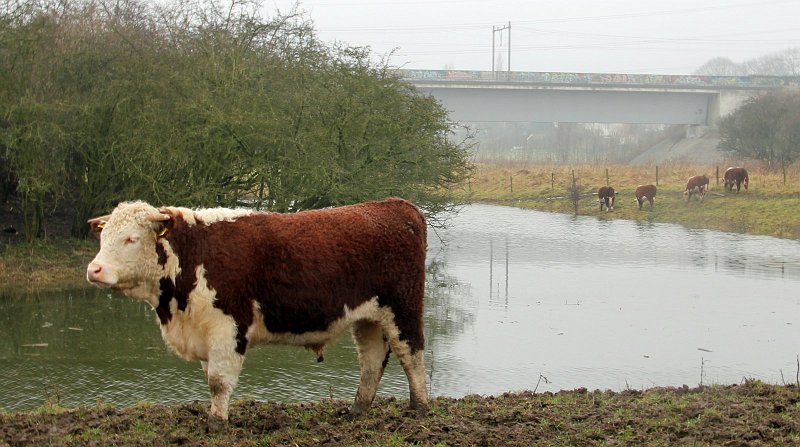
column 163, row 221
column 97, row 224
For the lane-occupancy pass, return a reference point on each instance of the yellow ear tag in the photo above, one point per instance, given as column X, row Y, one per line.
column 163, row 231
column 101, row 225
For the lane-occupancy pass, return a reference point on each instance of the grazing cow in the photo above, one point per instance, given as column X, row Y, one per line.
column 736, row 176
column 606, row 196
column 222, row 280
column 645, row 192
column 696, row 185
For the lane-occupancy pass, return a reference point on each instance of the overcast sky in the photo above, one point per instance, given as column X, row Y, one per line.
column 609, row 36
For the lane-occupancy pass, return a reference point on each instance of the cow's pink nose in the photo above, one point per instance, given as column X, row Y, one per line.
column 93, row 272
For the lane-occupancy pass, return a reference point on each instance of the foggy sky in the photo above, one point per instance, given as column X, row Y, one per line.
column 619, row 36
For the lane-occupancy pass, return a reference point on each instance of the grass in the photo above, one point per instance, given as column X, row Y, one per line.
column 45, row 265
column 768, row 207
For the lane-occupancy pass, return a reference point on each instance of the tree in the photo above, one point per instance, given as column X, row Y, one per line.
column 721, row 66
column 782, row 63
column 766, row 127
column 204, row 104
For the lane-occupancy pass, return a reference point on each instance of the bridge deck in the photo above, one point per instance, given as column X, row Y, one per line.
column 486, row 79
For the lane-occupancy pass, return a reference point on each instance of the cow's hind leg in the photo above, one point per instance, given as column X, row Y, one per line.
column 414, row 366
column 411, row 356
column 373, row 353
column 403, row 327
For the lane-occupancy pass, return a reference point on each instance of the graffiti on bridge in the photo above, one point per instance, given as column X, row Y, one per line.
column 547, row 77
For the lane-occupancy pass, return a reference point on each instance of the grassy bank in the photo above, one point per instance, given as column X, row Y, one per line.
column 750, row 414
column 52, row 265
column 768, row 207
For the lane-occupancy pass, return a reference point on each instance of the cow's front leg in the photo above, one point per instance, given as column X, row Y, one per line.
column 222, row 372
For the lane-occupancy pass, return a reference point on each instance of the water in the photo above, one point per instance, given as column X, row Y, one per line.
column 516, row 300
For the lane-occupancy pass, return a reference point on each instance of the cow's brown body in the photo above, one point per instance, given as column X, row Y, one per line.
column 696, row 185
column 645, row 192
column 736, row 176
column 606, row 196
column 223, row 280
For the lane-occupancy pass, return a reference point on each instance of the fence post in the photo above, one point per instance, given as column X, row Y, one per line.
column 717, row 175
column 607, row 177
column 552, row 181
column 511, row 182
column 656, row 175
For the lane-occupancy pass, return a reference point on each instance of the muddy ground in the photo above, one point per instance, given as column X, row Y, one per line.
column 749, row 414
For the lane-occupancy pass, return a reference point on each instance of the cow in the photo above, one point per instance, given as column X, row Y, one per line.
column 606, row 197
column 645, row 192
column 736, row 176
column 222, row 280
column 696, row 185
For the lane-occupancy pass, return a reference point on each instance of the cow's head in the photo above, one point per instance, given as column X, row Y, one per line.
column 728, row 183
column 128, row 260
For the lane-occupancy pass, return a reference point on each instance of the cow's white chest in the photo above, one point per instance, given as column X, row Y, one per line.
column 192, row 333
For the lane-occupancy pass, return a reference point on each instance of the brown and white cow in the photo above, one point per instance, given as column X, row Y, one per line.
column 645, row 192
column 696, row 185
column 606, row 197
column 222, row 280
column 737, row 176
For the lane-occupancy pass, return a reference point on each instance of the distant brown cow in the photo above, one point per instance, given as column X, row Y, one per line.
column 736, row 176
column 696, row 185
column 606, row 196
column 645, row 192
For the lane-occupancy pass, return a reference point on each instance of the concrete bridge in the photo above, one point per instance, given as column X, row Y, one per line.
column 481, row 96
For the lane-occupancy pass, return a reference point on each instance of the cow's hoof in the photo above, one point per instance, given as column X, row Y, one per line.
column 216, row 424
column 356, row 411
column 418, row 410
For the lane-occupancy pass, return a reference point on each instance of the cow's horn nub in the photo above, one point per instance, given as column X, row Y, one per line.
column 158, row 217
column 98, row 220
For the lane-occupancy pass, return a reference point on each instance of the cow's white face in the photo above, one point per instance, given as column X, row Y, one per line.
column 127, row 260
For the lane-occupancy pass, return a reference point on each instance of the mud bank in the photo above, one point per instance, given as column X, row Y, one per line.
column 749, row 414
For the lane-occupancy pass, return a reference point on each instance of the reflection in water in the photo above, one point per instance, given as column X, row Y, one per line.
column 495, row 297
column 612, row 304
column 581, row 301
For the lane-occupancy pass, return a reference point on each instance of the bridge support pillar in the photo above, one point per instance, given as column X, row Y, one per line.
column 695, row 130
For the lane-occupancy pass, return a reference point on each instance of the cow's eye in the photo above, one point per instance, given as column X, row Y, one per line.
column 131, row 240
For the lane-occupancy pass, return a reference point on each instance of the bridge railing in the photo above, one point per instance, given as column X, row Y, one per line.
column 552, row 77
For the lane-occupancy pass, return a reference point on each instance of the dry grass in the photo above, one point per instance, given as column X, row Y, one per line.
column 56, row 264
